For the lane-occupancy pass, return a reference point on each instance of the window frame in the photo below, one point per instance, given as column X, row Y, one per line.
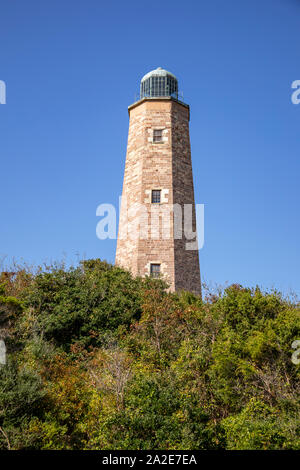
column 157, row 139
column 155, row 273
column 154, row 194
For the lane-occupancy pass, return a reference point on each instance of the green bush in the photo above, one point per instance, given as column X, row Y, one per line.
column 101, row 360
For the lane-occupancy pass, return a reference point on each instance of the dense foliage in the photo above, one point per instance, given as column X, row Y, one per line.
column 99, row 360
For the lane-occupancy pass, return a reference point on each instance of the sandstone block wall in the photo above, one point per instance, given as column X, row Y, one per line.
column 146, row 230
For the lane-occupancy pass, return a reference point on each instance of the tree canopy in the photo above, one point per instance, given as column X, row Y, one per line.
column 98, row 359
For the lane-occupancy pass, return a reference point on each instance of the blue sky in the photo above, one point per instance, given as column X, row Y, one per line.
column 71, row 70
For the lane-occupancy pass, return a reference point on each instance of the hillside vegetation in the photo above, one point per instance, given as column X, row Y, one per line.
column 100, row 360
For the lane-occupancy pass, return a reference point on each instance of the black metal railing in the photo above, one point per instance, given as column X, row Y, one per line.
column 178, row 95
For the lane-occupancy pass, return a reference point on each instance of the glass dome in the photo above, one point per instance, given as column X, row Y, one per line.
column 157, row 83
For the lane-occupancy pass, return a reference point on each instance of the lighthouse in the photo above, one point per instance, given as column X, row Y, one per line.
column 157, row 227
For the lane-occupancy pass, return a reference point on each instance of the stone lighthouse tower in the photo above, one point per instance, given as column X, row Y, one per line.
column 157, row 229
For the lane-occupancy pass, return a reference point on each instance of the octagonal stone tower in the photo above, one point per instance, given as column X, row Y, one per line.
column 157, row 220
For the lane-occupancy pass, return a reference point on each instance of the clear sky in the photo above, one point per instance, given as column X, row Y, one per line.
column 71, row 69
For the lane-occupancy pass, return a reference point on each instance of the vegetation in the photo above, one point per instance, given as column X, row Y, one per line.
column 99, row 360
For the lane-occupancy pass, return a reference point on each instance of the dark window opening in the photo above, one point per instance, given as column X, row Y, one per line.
column 157, row 135
column 155, row 199
column 154, row 270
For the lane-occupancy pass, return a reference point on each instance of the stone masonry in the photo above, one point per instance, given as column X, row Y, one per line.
column 147, row 232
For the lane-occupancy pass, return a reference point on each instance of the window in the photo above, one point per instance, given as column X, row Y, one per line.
column 155, row 197
column 154, row 270
column 157, row 135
